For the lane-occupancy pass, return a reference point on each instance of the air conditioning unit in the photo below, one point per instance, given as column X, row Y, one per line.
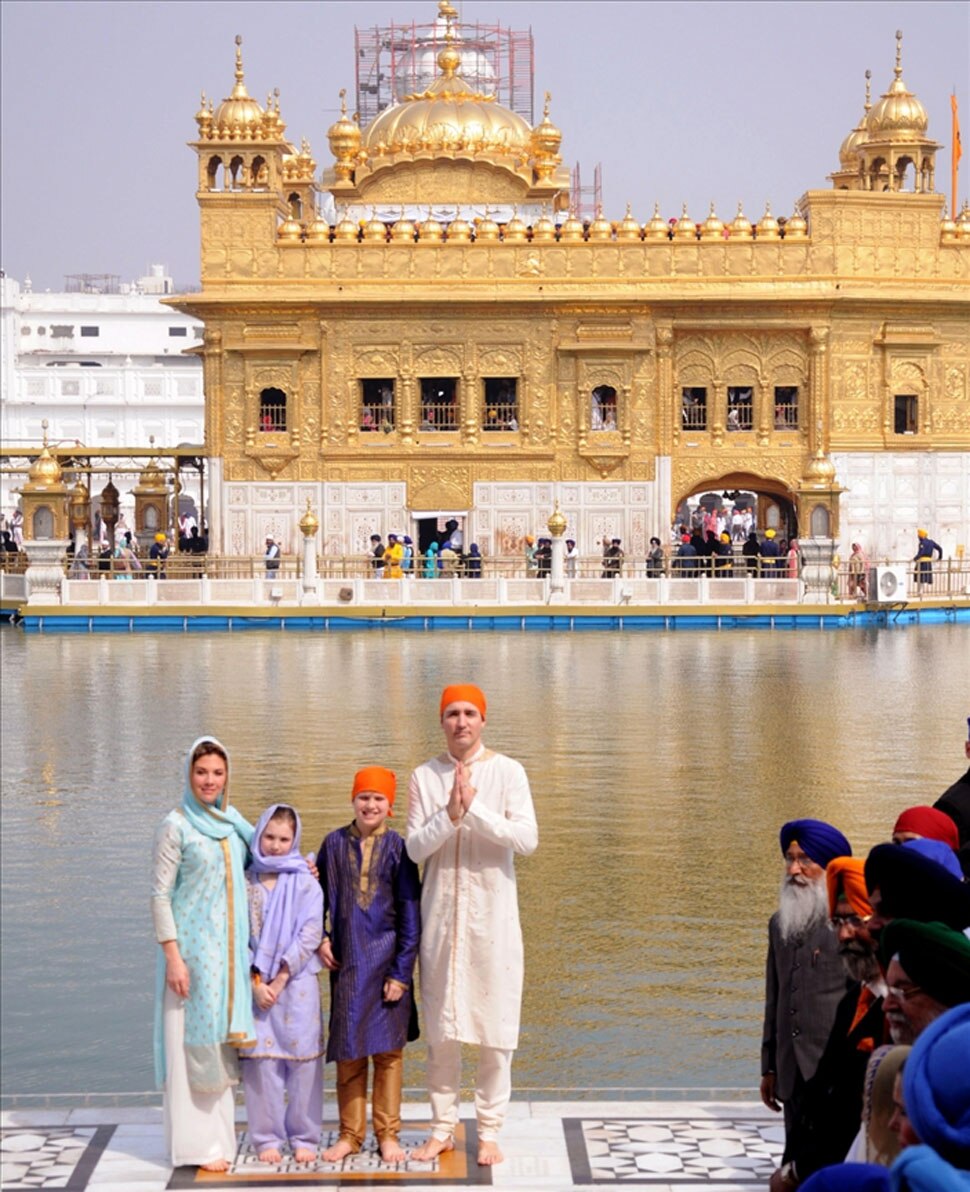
column 887, row 584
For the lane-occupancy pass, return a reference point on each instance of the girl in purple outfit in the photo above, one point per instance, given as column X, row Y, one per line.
column 283, row 1073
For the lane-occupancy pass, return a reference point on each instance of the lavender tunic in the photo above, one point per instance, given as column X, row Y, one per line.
column 375, row 934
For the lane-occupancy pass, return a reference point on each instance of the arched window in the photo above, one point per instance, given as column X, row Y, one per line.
column 215, row 165
column 151, row 517
column 258, row 174
column 296, row 206
column 43, row 523
column 236, row 172
column 821, row 522
column 272, row 410
column 602, row 414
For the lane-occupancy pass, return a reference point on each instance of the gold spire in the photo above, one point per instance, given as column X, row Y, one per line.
column 898, row 70
column 239, row 115
column 898, row 114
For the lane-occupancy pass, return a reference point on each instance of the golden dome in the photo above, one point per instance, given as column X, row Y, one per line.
column 430, row 231
column 741, row 226
column 796, row 228
column 628, row 228
column 45, row 471
column 546, row 141
column 309, row 522
column 460, row 231
column 963, row 223
column 486, row 228
column 403, row 231
column 346, row 230
column 239, row 114
column 556, row 523
column 572, row 229
column 150, row 479
column 375, row 230
column 820, row 472
column 849, row 150
column 686, row 229
column 657, row 228
column 344, row 138
column 948, row 229
column 543, row 229
column 600, row 228
column 515, row 231
column 290, row 231
column 899, row 115
column 712, row 228
column 768, row 226
column 318, row 231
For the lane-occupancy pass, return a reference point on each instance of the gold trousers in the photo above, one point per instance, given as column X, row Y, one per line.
column 386, row 1098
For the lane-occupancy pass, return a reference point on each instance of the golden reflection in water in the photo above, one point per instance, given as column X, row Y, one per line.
column 662, row 766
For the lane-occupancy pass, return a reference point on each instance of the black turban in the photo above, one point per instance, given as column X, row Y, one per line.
column 912, row 886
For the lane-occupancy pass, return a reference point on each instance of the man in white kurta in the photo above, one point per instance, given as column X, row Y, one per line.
column 469, row 812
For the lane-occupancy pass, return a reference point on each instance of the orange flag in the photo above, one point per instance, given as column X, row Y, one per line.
column 956, row 153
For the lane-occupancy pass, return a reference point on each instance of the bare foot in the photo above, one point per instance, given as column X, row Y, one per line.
column 303, row 1154
column 392, row 1151
column 489, row 1154
column 432, row 1149
column 270, row 1154
column 340, row 1150
column 218, row 1165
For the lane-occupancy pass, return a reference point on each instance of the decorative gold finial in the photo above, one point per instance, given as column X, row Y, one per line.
column 239, row 61
column 343, row 102
column 868, row 90
column 44, row 424
column 545, row 110
column 899, row 54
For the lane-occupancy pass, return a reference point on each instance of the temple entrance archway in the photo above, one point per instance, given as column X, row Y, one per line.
column 774, row 506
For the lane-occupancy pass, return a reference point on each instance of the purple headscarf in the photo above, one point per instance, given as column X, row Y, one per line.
column 281, row 917
column 819, row 840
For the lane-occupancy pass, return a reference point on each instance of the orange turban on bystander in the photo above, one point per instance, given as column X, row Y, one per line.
column 466, row 693
column 375, row 778
column 846, row 878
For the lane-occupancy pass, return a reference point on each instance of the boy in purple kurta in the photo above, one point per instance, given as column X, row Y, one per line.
column 372, row 906
column 285, row 927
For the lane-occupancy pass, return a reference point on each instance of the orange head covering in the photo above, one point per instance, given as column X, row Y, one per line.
column 846, row 878
column 466, row 693
column 375, row 778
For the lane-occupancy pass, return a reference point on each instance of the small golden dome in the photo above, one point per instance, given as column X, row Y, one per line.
column 403, row 231
column 309, row 522
column 657, row 229
column 375, row 230
column 849, row 150
column 346, row 230
column 628, row 228
column 486, row 228
column 430, row 231
column 899, row 115
column 768, row 227
column 557, row 522
column 290, row 231
column 948, row 229
column 344, row 138
column 796, row 228
column 712, row 228
column 318, row 231
column 686, row 229
column 239, row 114
column 572, row 230
column 543, row 230
column 45, row 471
column 600, row 228
column 151, row 478
column 515, row 231
column 741, row 226
column 963, row 223
column 546, row 142
column 459, row 230
column 820, row 471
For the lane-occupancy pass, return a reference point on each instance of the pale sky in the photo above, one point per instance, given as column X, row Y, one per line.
column 681, row 102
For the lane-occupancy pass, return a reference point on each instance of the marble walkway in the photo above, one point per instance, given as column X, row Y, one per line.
column 661, row 1145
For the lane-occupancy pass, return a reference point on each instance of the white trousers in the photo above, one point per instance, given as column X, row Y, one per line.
column 199, row 1127
column 493, row 1089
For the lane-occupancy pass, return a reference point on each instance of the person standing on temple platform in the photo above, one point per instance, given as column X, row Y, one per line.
column 157, row 554
column 530, row 556
column 723, row 556
column 769, row 554
column 804, row 975
column 407, row 561
column 858, row 573
column 686, row 564
column 571, row 559
column 393, row 558
column 613, row 560
column 377, row 556
column 544, row 558
column 923, row 558
column 751, row 551
column 794, row 559
column 474, row 561
column 469, row 813
column 271, row 557
column 655, row 559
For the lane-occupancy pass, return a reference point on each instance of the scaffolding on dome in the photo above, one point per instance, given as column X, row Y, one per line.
column 92, row 283
column 586, row 201
column 393, row 61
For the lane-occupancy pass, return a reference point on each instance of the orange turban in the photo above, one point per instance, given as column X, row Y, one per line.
column 846, row 878
column 375, row 778
column 466, row 693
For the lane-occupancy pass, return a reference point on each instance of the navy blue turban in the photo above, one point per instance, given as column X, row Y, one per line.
column 848, row 1177
column 912, row 886
column 819, row 840
column 936, row 1086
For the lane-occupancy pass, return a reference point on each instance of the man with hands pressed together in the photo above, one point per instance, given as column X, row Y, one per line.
column 469, row 812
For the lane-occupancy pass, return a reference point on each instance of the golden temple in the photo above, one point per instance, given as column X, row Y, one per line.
column 455, row 342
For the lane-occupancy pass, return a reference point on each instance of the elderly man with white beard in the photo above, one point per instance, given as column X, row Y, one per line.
column 804, row 975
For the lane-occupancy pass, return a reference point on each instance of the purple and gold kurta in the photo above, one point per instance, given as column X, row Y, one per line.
column 372, row 909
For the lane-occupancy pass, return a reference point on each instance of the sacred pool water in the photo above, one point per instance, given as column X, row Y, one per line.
column 662, row 765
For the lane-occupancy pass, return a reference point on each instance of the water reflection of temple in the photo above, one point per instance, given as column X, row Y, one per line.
column 456, row 342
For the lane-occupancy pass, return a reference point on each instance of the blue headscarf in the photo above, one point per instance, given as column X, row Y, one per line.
column 920, row 1169
column 281, row 911
column 220, row 820
column 820, row 841
column 936, row 1086
column 939, row 852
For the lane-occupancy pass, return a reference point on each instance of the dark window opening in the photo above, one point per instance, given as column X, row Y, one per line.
column 786, row 407
column 740, row 407
column 90, row 332
column 90, row 363
column 184, row 331
column 906, row 414
column 693, row 408
column 603, row 408
column 501, row 404
column 272, row 410
column 439, row 405
column 377, row 405
column 62, row 331
column 296, row 206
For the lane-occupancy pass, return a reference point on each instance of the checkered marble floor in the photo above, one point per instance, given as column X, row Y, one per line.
column 549, row 1147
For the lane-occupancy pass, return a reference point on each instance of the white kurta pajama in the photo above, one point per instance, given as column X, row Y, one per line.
column 471, row 941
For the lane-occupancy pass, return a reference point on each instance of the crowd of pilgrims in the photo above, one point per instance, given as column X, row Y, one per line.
column 866, row 1042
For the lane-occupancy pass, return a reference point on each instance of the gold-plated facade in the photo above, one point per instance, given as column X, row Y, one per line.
column 845, row 328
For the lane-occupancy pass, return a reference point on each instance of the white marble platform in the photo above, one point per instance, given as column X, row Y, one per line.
column 689, row 1146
